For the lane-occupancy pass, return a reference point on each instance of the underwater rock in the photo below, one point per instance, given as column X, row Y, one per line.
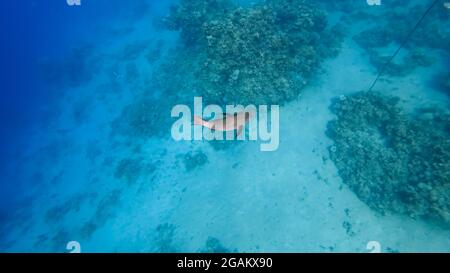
column 128, row 170
column 395, row 24
column 164, row 238
column 144, row 118
column 59, row 241
column 88, row 229
column 433, row 33
column 131, row 73
column 132, row 51
column 74, row 70
column 105, row 210
column 263, row 54
column 189, row 16
column 155, row 52
column 391, row 250
column 447, row 85
column 345, row 6
column 213, row 245
column 414, row 59
column 442, row 83
column 223, row 145
column 394, row 162
column 56, row 213
column 194, row 160
column 107, row 205
column 348, row 228
column 41, row 240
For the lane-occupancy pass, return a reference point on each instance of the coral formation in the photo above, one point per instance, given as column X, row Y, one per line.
column 59, row 241
column 193, row 160
column 76, row 69
column 393, row 161
column 133, row 51
column 145, row 117
column 447, row 84
column 132, row 73
column 105, row 210
column 164, row 236
column 433, row 33
column 130, row 169
column 263, row 54
column 348, row 228
column 442, row 82
column 155, row 52
column 213, row 245
column 189, row 16
column 222, row 145
column 57, row 213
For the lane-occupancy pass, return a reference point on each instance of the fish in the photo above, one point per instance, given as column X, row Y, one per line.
column 229, row 122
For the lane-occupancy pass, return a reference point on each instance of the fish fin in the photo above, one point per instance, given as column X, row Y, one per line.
column 198, row 121
column 239, row 131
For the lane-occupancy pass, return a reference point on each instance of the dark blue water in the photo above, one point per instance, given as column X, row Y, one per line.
column 33, row 31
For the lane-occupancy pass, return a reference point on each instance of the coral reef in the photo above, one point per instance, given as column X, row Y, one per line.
column 189, row 16
column 395, row 24
column 262, row 54
column 393, row 161
column 432, row 33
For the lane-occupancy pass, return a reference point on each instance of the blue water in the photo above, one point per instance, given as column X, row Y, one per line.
column 70, row 172
column 33, row 30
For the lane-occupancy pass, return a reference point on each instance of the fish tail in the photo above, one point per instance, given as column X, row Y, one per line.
column 199, row 121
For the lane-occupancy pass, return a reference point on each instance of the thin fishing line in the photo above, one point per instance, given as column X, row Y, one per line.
column 402, row 45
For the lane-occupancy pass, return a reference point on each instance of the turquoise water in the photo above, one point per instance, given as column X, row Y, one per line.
column 88, row 154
